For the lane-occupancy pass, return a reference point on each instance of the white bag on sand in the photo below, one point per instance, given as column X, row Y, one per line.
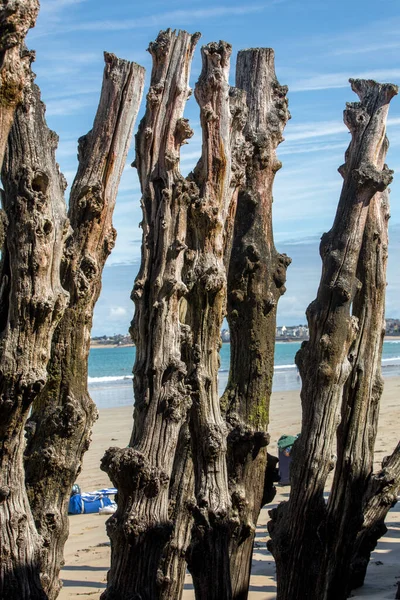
column 108, row 510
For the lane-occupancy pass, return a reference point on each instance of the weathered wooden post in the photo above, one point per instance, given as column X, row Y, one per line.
column 256, row 278
column 300, row 528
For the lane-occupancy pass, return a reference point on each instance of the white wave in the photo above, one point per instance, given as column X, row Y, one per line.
column 110, row 378
column 393, row 360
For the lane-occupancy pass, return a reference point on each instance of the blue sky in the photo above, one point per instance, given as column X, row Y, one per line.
column 318, row 46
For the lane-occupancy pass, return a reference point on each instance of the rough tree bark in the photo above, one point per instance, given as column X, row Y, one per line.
column 142, row 526
column 63, row 413
column 256, row 278
column 16, row 18
column 32, row 302
column 380, row 495
column 360, row 405
column 182, row 500
column 218, row 176
column 379, row 491
column 299, row 527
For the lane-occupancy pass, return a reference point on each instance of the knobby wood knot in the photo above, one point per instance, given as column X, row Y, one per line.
column 154, row 94
column 91, row 200
column 214, row 440
column 161, row 46
column 138, row 289
column 368, row 176
column 183, row 131
column 208, row 113
column 356, row 116
column 239, row 501
column 171, row 160
column 186, row 192
column 5, row 491
column 176, row 248
column 130, row 470
column 212, row 277
column 85, row 275
column 135, row 527
column 245, row 440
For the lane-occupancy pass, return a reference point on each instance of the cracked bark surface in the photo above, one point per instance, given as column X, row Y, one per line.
column 299, row 527
column 210, row 222
column 360, row 405
column 142, row 526
column 256, row 278
column 59, row 427
column 32, row 303
column 380, row 496
column 182, row 501
column 16, row 18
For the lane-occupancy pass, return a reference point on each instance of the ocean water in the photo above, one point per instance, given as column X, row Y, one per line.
column 110, row 370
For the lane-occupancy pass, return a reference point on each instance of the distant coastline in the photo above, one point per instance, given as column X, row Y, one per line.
column 96, row 345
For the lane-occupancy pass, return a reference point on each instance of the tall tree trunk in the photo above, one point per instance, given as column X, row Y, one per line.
column 16, row 18
column 210, row 221
column 63, row 413
column 299, row 527
column 32, row 303
column 360, row 407
column 256, row 280
column 142, row 526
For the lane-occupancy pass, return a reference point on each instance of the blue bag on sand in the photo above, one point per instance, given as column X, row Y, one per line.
column 75, row 505
column 87, row 503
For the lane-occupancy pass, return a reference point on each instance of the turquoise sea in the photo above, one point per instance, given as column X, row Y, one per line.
column 110, row 370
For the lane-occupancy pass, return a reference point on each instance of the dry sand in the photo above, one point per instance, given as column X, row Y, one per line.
column 87, row 551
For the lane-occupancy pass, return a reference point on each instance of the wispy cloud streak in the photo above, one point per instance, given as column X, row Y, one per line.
column 326, row 81
column 179, row 16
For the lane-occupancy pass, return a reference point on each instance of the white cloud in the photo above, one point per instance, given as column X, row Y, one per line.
column 117, row 312
column 303, row 131
column 307, row 148
column 309, row 131
column 182, row 16
column 366, row 49
column 326, row 81
column 53, row 6
column 66, row 106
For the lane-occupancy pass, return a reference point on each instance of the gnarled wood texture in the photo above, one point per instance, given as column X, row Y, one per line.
column 210, row 220
column 298, row 527
column 63, row 413
column 256, row 280
column 32, row 303
column 380, row 496
column 16, row 18
column 360, row 405
column 142, row 526
column 182, row 500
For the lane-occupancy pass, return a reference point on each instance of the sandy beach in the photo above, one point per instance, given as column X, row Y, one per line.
column 87, row 551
